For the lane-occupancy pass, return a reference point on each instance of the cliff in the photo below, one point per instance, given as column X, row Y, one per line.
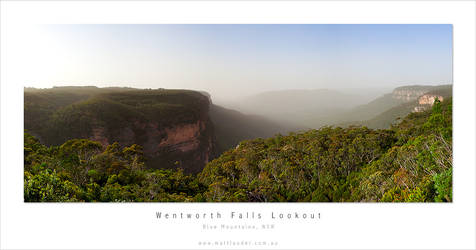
column 416, row 92
column 231, row 127
column 388, row 109
column 426, row 101
column 410, row 93
column 172, row 126
column 429, row 99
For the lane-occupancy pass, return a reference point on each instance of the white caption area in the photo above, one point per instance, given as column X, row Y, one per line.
column 135, row 226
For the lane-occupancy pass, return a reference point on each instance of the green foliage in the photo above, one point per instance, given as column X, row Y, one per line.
column 411, row 162
column 123, row 115
column 386, row 111
column 60, row 114
column 444, row 185
column 317, row 165
column 46, row 185
column 80, row 170
column 398, row 195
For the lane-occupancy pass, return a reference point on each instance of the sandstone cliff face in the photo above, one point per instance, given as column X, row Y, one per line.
column 188, row 145
column 419, row 109
column 407, row 94
column 423, row 96
column 182, row 137
column 426, row 101
column 421, row 93
column 172, row 126
column 429, row 99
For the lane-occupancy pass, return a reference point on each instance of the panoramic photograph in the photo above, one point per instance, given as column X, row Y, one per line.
column 239, row 113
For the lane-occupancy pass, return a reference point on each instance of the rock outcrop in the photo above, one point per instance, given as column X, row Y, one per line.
column 423, row 96
column 410, row 93
column 172, row 126
column 188, row 146
column 425, row 101
column 429, row 99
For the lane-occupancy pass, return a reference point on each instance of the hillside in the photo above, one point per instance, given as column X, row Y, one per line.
column 175, row 128
column 302, row 108
column 172, row 126
column 326, row 165
column 232, row 127
column 324, row 107
column 399, row 96
column 341, row 164
column 420, row 98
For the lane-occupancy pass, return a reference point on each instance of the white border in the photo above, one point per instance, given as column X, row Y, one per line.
column 133, row 226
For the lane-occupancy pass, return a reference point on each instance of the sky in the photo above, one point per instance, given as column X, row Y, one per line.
column 237, row 60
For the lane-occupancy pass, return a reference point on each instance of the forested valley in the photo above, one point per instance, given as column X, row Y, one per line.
column 411, row 161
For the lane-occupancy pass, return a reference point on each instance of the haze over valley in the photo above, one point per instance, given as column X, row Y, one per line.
column 187, row 124
column 240, row 113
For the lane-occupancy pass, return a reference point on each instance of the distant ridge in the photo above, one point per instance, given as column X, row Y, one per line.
column 384, row 111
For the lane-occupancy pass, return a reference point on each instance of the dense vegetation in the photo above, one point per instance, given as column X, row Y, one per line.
column 410, row 162
column 59, row 114
column 322, row 107
column 386, row 110
column 129, row 116
column 231, row 127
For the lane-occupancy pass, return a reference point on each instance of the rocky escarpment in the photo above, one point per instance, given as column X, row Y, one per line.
column 388, row 109
column 188, row 146
column 426, row 101
column 423, row 96
column 172, row 126
column 429, row 99
column 410, row 93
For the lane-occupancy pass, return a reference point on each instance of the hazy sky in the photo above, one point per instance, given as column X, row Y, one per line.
column 234, row 60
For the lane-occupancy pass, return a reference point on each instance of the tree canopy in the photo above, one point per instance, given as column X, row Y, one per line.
column 410, row 162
